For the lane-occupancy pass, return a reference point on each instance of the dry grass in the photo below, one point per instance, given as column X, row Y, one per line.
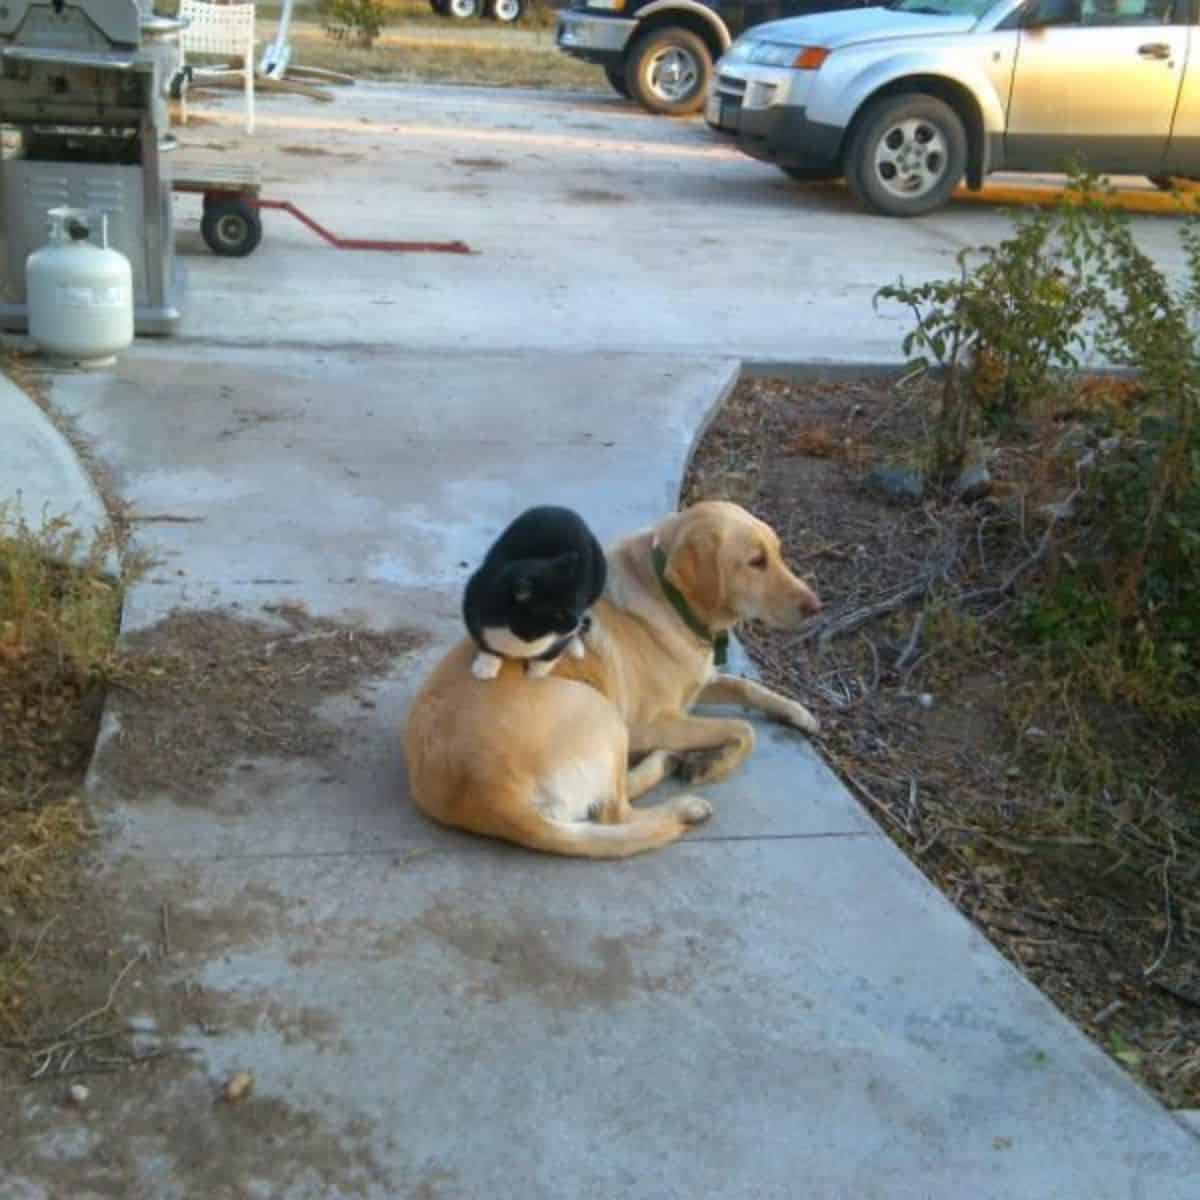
column 58, row 629
column 419, row 60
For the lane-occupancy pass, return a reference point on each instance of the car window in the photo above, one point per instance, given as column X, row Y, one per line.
column 943, row 8
column 1128, row 12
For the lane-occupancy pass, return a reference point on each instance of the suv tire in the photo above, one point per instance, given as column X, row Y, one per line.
column 906, row 156
column 668, row 71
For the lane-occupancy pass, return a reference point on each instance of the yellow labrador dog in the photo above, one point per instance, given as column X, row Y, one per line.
column 545, row 762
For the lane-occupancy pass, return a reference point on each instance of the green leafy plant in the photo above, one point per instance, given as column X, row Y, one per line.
column 357, row 21
column 1008, row 334
column 1002, row 333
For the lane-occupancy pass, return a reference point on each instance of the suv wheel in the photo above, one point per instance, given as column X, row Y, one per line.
column 616, row 78
column 668, row 71
column 507, row 12
column 464, row 10
column 907, row 155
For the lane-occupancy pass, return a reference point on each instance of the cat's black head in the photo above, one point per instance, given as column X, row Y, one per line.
column 544, row 596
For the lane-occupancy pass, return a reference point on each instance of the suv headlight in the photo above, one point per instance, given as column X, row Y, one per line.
column 778, row 54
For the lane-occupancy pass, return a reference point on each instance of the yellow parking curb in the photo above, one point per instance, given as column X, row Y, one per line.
column 1167, row 203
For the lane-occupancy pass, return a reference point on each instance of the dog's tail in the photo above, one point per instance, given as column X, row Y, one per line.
column 650, row 829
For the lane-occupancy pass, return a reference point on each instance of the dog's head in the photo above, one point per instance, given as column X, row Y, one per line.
column 728, row 566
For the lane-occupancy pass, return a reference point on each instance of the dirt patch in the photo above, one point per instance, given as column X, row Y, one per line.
column 521, row 953
column 594, row 196
column 319, row 152
column 204, row 692
column 951, row 729
column 481, row 164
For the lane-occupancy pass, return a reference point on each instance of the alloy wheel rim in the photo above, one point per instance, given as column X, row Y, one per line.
column 911, row 158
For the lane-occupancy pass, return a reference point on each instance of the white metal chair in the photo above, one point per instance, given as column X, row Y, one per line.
column 218, row 29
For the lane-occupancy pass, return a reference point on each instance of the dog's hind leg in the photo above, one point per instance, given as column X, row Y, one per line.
column 729, row 743
column 650, row 772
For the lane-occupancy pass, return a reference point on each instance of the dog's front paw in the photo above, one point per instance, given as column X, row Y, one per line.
column 576, row 648
column 800, row 718
column 539, row 668
column 693, row 810
column 486, row 666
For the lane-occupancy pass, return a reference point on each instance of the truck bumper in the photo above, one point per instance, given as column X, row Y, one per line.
column 592, row 38
column 776, row 133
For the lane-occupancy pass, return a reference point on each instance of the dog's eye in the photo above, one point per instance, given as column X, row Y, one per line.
column 759, row 562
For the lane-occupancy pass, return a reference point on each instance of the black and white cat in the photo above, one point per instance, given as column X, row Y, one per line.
column 530, row 597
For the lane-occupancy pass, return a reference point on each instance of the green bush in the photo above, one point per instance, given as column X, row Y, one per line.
column 357, row 21
column 1008, row 334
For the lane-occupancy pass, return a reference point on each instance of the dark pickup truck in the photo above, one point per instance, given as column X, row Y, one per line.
column 661, row 52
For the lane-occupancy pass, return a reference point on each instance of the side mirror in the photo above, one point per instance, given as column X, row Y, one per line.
column 1042, row 14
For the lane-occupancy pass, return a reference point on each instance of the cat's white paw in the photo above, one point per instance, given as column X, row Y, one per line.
column 539, row 668
column 486, row 666
column 576, row 648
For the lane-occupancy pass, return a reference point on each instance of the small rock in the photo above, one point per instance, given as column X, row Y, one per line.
column 240, row 1085
column 925, row 700
column 77, row 1093
column 896, row 481
column 973, row 484
column 1085, row 462
column 1110, row 445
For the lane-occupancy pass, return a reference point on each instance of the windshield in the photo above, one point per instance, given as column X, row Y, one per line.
column 943, row 8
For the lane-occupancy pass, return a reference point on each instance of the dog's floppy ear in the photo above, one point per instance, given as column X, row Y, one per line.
column 694, row 568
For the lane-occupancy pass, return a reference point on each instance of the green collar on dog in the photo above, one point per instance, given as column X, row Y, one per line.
column 718, row 641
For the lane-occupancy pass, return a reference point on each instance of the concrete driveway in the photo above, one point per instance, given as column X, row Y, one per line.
column 598, row 228
column 778, row 1008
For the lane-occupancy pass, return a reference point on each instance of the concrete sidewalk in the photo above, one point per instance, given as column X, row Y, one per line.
column 778, row 1007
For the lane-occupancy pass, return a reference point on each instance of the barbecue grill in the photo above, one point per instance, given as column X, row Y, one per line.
column 83, row 107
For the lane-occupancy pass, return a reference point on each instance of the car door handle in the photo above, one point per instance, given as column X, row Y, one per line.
column 1155, row 50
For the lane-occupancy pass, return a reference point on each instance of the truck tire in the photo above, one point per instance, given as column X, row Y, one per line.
column 616, row 79
column 906, row 156
column 507, row 12
column 464, row 10
column 668, row 71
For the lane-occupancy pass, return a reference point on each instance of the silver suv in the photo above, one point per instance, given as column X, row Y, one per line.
column 905, row 101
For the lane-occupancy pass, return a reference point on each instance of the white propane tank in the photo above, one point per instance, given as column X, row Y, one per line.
column 80, row 294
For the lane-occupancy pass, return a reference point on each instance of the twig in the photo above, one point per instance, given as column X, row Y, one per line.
column 166, row 931
column 1034, row 915
column 1167, row 863
column 1107, row 1011
column 163, row 519
column 112, row 993
column 826, row 631
column 914, row 638
column 875, row 802
column 112, row 1068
